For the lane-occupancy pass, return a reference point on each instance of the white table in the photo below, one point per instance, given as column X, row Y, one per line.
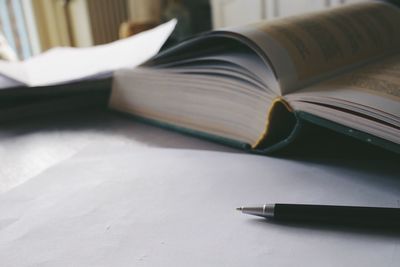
column 30, row 146
column 100, row 190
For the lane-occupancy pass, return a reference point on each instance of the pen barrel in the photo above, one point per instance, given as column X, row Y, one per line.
column 347, row 215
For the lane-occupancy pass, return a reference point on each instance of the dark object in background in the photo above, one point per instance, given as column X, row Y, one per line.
column 200, row 13
column 395, row 2
column 193, row 17
column 175, row 9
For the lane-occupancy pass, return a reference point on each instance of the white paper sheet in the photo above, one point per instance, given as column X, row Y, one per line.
column 60, row 65
column 132, row 206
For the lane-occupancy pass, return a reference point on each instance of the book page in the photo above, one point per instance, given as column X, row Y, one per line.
column 381, row 78
column 367, row 99
column 375, row 85
column 305, row 49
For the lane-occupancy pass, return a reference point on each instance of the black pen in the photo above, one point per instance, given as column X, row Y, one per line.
column 327, row 214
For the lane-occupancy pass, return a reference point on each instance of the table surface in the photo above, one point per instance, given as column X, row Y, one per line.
column 30, row 148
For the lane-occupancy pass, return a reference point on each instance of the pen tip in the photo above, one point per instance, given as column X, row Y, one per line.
column 239, row 208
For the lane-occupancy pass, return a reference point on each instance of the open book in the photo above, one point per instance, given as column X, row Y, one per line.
column 256, row 85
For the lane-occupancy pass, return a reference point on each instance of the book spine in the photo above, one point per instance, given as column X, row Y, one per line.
column 281, row 127
column 365, row 137
column 270, row 114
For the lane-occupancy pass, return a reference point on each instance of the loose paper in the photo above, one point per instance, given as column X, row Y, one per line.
column 65, row 64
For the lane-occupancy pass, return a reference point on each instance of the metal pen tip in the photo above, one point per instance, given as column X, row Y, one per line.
column 240, row 208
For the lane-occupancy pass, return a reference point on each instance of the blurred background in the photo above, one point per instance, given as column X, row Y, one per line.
column 29, row 27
